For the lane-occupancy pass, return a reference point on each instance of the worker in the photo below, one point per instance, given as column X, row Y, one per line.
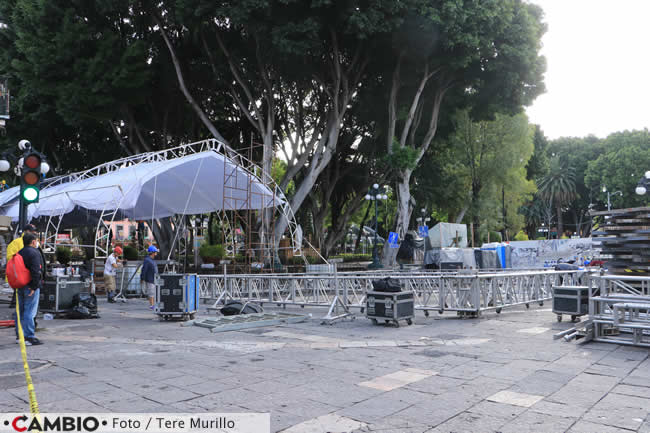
column 15, row 246
column 110, row 268
column 148, row 275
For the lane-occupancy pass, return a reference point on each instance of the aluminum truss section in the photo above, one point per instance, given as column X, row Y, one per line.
column 284, row 208
column 619, row 310
column 438, row 291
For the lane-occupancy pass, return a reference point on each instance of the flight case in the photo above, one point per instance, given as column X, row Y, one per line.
column 570, row 300
column 390, row 306
column 177, row 296
column 58, row 291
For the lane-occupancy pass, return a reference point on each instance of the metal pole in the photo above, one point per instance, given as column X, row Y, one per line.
column 374, row 251
column 22, row 213
column 609, row 204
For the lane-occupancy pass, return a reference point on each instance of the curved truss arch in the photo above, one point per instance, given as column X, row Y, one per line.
column 108, row 214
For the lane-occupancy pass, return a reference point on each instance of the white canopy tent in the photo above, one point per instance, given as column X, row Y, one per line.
column 182, row 186
column 190, row 179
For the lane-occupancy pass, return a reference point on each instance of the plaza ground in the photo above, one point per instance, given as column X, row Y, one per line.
column 499, row 373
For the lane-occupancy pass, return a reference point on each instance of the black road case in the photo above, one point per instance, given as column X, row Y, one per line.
column 58, row 291
column 570, row 300
column 390, row 306
column 177, row 295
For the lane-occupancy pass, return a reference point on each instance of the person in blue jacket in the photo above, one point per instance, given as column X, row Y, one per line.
column 148, row 275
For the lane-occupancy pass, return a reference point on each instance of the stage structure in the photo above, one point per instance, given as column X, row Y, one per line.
column 191, row 179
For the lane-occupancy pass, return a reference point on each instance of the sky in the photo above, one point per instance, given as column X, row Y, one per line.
column 598, row 67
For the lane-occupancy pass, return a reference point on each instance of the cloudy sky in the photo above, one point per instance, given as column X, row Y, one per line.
column 598, row 74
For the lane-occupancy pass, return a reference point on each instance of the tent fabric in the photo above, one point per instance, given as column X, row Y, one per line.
column 198, row 183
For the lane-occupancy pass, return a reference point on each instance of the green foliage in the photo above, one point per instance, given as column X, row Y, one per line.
column 212, row 251
column 297, row 261
column 538, row 164
column 485, row 169
column 401, row 158
column 559, row 184
column 619, row 167
column 495, row 236
column 63, row 255
column 130, row 252
column 353, row 257
column 521, row 236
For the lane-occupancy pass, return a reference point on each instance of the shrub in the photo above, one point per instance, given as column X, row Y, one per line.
column 353, row 257
column 495, row 236
column 521, row 236
column 298, row 260
column 540, row 238
column 63, row 255
column 212, row 251
column 130, row 253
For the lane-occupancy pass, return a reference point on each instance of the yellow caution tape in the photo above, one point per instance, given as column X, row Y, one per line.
column 33, row 404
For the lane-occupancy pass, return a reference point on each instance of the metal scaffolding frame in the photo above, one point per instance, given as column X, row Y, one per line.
column 107, row 216
column 464, row 293
column 619, row 310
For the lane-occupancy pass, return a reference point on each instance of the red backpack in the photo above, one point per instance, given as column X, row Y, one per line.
column 18, row 275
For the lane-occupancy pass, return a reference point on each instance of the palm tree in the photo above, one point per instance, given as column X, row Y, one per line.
column 559, row 187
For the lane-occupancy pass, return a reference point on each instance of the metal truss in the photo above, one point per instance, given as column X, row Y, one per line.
column 619, row 310
column 252, row 169
column 463, row 293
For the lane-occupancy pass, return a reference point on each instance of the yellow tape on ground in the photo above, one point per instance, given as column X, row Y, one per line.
column 33, row 404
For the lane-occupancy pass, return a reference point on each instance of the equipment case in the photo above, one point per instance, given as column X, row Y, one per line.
column 177, row 295
column 390, row 306
column 570, row 300
column 58, row 291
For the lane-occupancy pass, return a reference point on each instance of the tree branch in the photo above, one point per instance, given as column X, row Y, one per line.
column 181, row 82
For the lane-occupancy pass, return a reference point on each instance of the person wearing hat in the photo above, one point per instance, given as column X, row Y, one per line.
column 148, row 275
column 110, row 268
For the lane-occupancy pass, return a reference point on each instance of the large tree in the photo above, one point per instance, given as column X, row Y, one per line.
column 293, row 69
column 484, row 55
column 559, row 187
column 619, row 168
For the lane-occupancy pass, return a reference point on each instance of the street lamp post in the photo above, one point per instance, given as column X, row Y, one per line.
column 28, row 168
column 376, row 193
column 644, row 184
column 609, row 203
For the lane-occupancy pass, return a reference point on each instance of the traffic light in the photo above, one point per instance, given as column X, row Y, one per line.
column 30, row 180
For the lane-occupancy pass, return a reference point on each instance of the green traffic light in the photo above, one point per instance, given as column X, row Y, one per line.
column 30, row 194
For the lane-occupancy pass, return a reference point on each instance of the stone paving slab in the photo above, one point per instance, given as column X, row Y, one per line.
column 500, row 373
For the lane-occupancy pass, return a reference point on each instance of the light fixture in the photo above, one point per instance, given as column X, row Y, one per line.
column 604, row 188
column 640, row 190
column 375, row 186
column 30, row 194
column 4, row 165
column 45, row 167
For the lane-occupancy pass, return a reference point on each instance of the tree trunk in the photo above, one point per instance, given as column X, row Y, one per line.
column 363, row 223
column 404, row 210
column 560, row 226
column 163, row 233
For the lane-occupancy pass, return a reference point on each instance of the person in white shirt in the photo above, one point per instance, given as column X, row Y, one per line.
column 110, row 271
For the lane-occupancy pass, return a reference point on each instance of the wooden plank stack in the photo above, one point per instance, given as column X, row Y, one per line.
column 624, row 239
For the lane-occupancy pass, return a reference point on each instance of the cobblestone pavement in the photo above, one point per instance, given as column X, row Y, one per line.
column 500, row 373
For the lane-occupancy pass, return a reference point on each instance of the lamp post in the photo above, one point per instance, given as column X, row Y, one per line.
column 644, row 184
column 29, row 168
column 376, row 193
column 609, row 203
column 422, row 221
